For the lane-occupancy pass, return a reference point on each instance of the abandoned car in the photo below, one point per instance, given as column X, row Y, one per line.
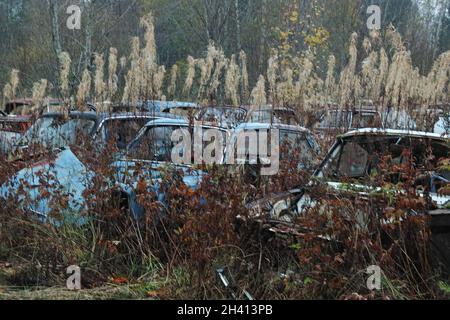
column 369, row 162
column 68, row 178
column 12, row 129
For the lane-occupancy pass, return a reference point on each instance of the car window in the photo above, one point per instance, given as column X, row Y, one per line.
column 156, row 143
column 57, row 132
column 122, row 131
column 295, row 146
column 364, row 120
column 335, row 119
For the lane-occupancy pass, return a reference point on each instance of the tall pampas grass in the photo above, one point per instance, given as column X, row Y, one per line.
column 272, row 76
column 206, row 69
column 378, row 88
column 330, row 82
column 147, row 22
column 10, row 89
column 258, row 95
column 133, row 78
column 189, row 76
column 99, row 84
column 14, row 80
column 112, row 69
column 64, row 61
column 232, row 79
column 347, row 79
column 84, row 90
column 38, row 93
column 158, row 81
column 173, row 81
column 221, row 63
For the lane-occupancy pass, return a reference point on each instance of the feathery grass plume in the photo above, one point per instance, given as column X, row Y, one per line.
column 285, row 88
column 126, row 89
column 347, row 79
column 112, row 69
column 413, row 88
column 147, row 22
column 369, row 73
column 189, row 77
column 14, row 82
column 201, row 64
column 221, row 63
column 64, row 61
column 399, row 71
column 395, row 39
column 244, row 77
column 330, row 81
column 173, row 81
column 378, row 88
column 133, row 79
column 158, row 81
column 258, row 95
column 206, row 66
column 38, row 93
column 367, row 45
column 272, row 71
column 441, row 78
column 135, row 48
column 99, row 84
column 84, row 90
column 148, row 61
column 305, row 83
column 232, row 79
column 7, row 95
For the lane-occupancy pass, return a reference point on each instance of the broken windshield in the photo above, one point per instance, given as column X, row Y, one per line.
column 358, row 158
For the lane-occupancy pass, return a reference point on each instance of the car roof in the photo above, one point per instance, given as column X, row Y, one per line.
column 392, row 132
column 281, row 126
column 179, row 122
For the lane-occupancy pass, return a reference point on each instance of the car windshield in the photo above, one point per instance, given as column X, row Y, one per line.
column 358, row 158
column 335, row 119
column 294, row 146
column 122, row 131
column 156, row 144
column 275, row 116
column 57, row 132
column 232, row 116
column 364, row 120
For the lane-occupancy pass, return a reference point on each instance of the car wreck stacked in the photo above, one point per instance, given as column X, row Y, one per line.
column 361, row 162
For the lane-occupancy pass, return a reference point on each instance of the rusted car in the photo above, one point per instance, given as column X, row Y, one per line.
column 12, row 129
column 18, row 107
column 149, row 151
column 152, row 152
column 336, row 121
column 356, row 162
column 368, row 170
column 58, row 130
column 270, row 148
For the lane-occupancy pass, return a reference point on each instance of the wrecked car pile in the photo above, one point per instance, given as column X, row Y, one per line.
column 78, row 167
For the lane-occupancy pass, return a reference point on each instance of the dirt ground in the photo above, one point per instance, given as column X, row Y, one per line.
column 106, row 292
